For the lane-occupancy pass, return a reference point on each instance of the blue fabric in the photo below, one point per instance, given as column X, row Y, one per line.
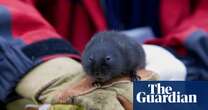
column 13, row 65
column 129, row 14
column 140, row 35
column 5, row 23
column 197, row 43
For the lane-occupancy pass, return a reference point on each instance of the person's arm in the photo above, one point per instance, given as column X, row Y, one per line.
column 26, row 40
column 182, row 32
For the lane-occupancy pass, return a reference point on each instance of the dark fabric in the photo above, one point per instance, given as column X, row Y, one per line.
column 2, row 106
column 117, row 13
column 13, row 65
column 197, row 43
column 197, row 58
column 128, row 14
column 197, row 64
column 48, row 47
column 196, row 70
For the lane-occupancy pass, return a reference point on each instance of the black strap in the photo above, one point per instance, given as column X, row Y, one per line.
column 48, row 47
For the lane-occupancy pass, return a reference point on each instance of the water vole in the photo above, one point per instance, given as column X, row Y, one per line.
column 110, row 54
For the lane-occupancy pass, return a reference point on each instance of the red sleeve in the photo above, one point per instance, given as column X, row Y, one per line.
column 23, row 21
column 26, row 23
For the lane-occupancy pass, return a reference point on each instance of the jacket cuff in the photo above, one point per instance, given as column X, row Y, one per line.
column 50, row 47
column 15, row 62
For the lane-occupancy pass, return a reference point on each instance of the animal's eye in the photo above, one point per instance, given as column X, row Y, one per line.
column 108, row 58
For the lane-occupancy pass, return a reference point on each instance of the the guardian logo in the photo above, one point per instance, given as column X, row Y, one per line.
column 164, row 94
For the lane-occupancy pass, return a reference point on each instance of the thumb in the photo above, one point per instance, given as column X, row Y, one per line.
column 125, row 102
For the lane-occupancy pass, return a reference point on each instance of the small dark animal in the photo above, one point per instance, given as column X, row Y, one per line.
column 110, row 54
